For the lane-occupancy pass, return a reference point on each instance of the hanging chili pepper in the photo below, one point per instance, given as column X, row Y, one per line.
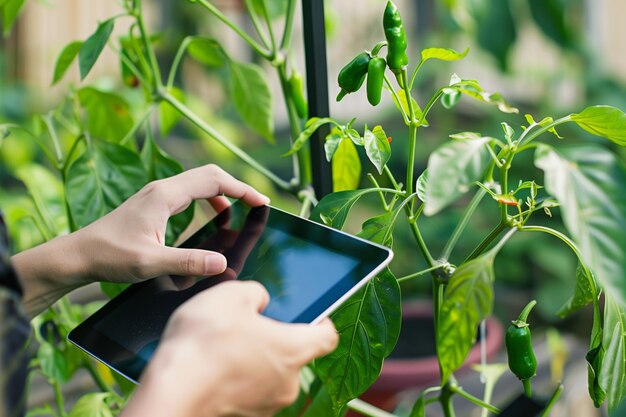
column 296, row 90
column 375, row 77
column 397, row 59
column 519, row 349
column 351, row 76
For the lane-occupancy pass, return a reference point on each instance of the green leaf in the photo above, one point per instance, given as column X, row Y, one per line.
column 346, row 167
column 322, row 406
column 590, row 185
column 113, row 289
column 10, row 10
column 252, row 97
column 368, row 325
column 473, row 89
column 93, row 46
column 108, row 114
column 92, row 405
column 206, row 51
column 452, row 169
column 466, row 136
column 52, row 362
column 377, row 147
column 310, row 127
column 450, row 98
column 606, row 121
column 275, row 8
column 333, row 209
column 46, row 190
column 594, row 360
column 550, row 16
column 101, row 179
column 613, row 371
column 168, row 115
column 65, row 59
column 583, row 294
column 377, row 229
column 333, row 139
column 467, row 300
column 421, row 185
column 160, row 165
column 444, row 54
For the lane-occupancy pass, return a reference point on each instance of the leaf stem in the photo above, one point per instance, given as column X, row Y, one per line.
column 47, row 119
column 406, row 119
column 201, row 124
column 392, row 179
column 368, row 409
column 286, row 38
column 486, row 241
column 58, row 397
column 180, row 53
column 429, row 106
column 446, row 401
column 420, row 242
column 382, row 196
column 469, row 397
column 142, row 119
column 253, row 44
column 553, row 399
column 544, row 129
column 268, row 22
column 154, row 65
column 415, row 71
column 460, row 227
column 422, row 272
column 255, row 22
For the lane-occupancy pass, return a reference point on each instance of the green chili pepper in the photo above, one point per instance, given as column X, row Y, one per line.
column 375, row 77
column 296, row 90
column 351, row 76
column 519, row 349
column 397, row 59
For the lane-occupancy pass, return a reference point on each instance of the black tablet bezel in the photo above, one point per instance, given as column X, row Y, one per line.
column 372, row 259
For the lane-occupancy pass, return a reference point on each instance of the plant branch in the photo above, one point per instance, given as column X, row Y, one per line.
column 460, row 227
column 397, row 99
column 469, row 397
column 142, row 119
column 286, row 38
column 392, row 179
column 420, row 242
column 376, row 185
column 544, row 129
column 422, row 272
column 415, row 71
column 257, row 25
column 253, row 44
column 154, row 65
column 180, row 53
column 553, row 399
column 202, row 125
column 268, row 22
column 58, row 397
column 367, row 409
column 483, row 245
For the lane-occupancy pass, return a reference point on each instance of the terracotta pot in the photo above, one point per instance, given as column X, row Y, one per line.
column 414, row 362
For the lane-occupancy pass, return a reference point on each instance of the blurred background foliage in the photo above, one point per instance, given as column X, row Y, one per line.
column 547, row 57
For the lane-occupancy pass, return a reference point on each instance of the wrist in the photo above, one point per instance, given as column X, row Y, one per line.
column 49, row 271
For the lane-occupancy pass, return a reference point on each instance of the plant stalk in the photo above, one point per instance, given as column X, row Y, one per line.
column 420, row 273
column 201, row 124
column 483, row 245
column 58, row 397
column 469, row 397
column 286, row 38
column 368, row 409
column 460, row 227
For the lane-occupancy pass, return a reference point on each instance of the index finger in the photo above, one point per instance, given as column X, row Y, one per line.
column 221, row 182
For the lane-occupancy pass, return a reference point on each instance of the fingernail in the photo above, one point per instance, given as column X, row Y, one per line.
column 214, row 264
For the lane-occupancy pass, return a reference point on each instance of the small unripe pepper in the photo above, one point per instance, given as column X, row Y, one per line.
column 351, row 76
column 375, row 77
column 397, row 59
column 296, row 90
column 519, row 349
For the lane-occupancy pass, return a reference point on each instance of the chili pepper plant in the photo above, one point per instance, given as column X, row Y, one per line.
column 97, row 144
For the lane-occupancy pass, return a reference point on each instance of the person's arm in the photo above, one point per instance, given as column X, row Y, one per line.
column 128, row 244
column 219, row 357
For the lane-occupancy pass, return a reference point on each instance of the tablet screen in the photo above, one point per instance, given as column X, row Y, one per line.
column 305, row 267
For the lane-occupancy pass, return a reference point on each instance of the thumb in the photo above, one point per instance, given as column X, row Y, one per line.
column 178, row 261
column 311, row 342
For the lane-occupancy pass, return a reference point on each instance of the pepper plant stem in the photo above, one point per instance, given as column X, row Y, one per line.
column 253, row 44
column 460, row 227
column 483, row 245
column 146, row 41
column 420, row 273
column 286, row 38
column 257, row 25
column 58, row 397
column 368, row 409
column 193, row 118
column 469, row 397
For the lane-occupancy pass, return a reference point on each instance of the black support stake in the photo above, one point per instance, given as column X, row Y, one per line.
column 317, row 91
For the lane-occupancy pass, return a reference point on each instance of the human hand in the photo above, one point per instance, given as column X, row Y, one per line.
column 219, row 357
column 127, row 245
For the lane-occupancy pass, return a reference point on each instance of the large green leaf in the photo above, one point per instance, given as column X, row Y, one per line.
column 613, row 371
column 92, row 405
column 452, row 169
column 252, row 97
column 333, row 209
column 46, row 191
column 444, row 54
column 65, row 59
column 378, row 229
column 52, row 362
column 377, row 147
column 322, row 406
column 160, row 165
column 93, row 46
column 101, row 179
column 368, row 325
column 108, row 114
column 468, row 299
column 550, row 16
column 605, row 121
column 590, row 185
column 10, row 11
column 346, row 167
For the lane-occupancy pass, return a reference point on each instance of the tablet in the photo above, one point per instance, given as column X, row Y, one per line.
column 308, row 269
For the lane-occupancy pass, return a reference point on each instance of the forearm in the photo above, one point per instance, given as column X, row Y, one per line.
column 49, row 271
